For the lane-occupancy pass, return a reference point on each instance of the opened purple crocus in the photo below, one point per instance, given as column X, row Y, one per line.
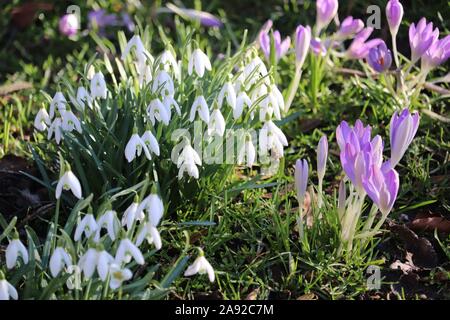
column 403, row 128
column 359, row 48
column 326, row 11
column 382, row 187
column 380, row 58
column 394, row 14
column 421, row 37
column 281, row 47
column 69, row 25
column 437, row 54
column 206, row 19
column 349, row 27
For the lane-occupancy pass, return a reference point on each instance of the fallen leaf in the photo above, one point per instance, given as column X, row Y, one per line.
column 429, row 222
column 253, row 295
column 308, row 296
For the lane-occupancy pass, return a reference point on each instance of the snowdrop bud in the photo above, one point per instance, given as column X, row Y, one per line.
column 118, row 275
column 326, row 11
column 126, row 250
column 199, row 61
column 248, row 152
column 322, row 154
column 201, row 107
column 302, row 42
column 98, row 86
column 6, row 289
column 58, row 260
column 58, row 102
column 87, row 225
column 200, row 266
column 68, row 182
column 15, row 250
column 403, row 128
column 301, row 179
column 394, row 14
column 42, row 120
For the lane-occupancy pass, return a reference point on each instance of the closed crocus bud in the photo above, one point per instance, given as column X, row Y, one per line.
column 394, row 14
column 403, row 129
column 69, row 25
column 322, row 154
column 421, row 37
column 326, row 11
column 301, row 178
column 380, row 58
column 302, row 42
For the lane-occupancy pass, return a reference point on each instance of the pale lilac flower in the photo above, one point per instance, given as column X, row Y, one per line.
column 360, row 47
column 302, row 43
column 380, row 58
column 421, row 37
column 326, row 11
column 437, row 54
column 281, row 47
column 349, row 27
column 403, row 128
column 382, row 187
column 318, row 47
column 394, row 14
column 69, row 25
column 322, row 155
column 301, row 179
column 206, row 19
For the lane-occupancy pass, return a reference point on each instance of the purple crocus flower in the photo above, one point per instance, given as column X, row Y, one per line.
column 403, row 128
column 100, row 19
column 320, row 47
column 343, row 132
column 206, row 19
column 359, row 48
column 382, row 187
column 322, row 155
column 128, row 21
column 421, row 37
column 301, row 178
column 281, row 47
column 437, row 54
column 326, row 11
column 380, row 58
column 349, row 27
column 69, row 25
column 394, row 14
column 302, row 42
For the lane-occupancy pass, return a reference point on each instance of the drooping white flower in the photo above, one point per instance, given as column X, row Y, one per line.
column 56, row 128
column 270, row 105
column 128, row 250
column 242, row 100
column 168, row 61
column 156, row 110
column 170, row 102
column 151, row 234
column 74, row 281
column 58, row 260
column 42, row 120
column 83, row 97
column 200, row 266
column 109, row 221
column 247, row 152
column 150, row 141
column 278, row 97
column 198, row 62
column 70, row 121
column 132, row 214
column 87, row 225
column 14, row 250
column 98, row 86
column 154, row 206
column 187, row 162
column 118, row 275
column 201, row 107
column 6, row 289
column 58, row 102
column 144, row 72
column 135, row 44
column 272, row 138
column 68, row 182
column 163, row 83
column 134, row 147
column 227, row 92
column 216, row 123
column 95, row 259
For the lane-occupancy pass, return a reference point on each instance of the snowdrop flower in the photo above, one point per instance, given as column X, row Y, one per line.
column 242, row 100
column 6, row 289
column 216, row 123
column 248, row 152
column 270, row 105
column 257, row 66
column 132, row 214
column 95, row 259
column 118, row 275
column 199, row 61
column 301, row 179
column 83, row 97
column 170, row 102
column 98, row 86
column 42, row 120
column 150, row 233
column 144, row 73
column 56, row 128
column 135, row 44
column 156, row 110
column 163, row 83
column 110, row 221
column 58, row 102
column 150, row 141
column 69, row 121
column 58, row 260
column 201, row 107
column 126, row 251
column 188, row 161
column 278, row 96
column 154, row 206
column 68, row 182
column 272, row 138
column 134, row 147
column 87, row 225
column 227, row 92
column 200, row 266
column 74, row 281
column 168, row 61
column 15, row 250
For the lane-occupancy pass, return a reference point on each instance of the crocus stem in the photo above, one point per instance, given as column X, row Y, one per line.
column 300, row 221
column 293, row 87
column 394, row 48
column 320, row 196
